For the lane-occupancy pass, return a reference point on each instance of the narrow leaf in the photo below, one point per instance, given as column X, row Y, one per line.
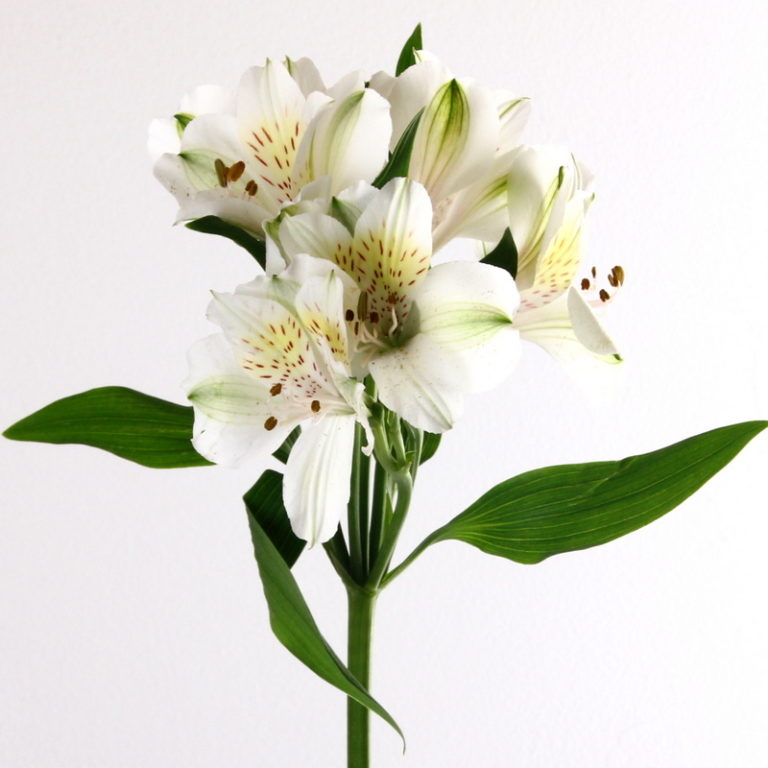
column 284, row 451
column 504, row 254
column 295, row 628
column 132, row 425
column 264, row 502
column 574, row 506
column 401, row 157
column 213, row 225
column 407, row 56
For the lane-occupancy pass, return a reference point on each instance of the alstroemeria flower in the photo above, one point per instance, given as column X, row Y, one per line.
column 426, row 335
column 285, row 132
column 461, row 149
column 548, row 197
column 282, row 361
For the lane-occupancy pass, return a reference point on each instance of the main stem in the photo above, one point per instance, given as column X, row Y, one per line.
column 360, row 626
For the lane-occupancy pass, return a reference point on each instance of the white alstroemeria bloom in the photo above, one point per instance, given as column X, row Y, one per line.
column 282, row 361
column 244, row 165
column 548, row 197
column 461, row 150
column 426, row 335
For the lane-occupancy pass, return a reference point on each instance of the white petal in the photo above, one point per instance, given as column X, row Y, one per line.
column 587, row 327
column 169, row 170
column 416, row 382
column 456, row 139
column 347, row 141
column 552, row 327
column 392, row 247
column 163, row 136
column 410, row 92
column 229, row 406
column 317, row 477
column 245, row 214
column 314, row 233
column 347, row 85
column 270, row 108
column 513, row 115
column 467, row 309
column 306, row 75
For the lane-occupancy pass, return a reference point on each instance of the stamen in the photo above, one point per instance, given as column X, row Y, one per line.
column 276, row 389
column 604, row 295
column 270, row 423
column 362, row 306
column 374, row 316
column 618, row 274
column 594, row 272
column 315, row 406
column 221, row 171
column 585, row 284
column 236, row 171
column 349, row 315
column 251, row 187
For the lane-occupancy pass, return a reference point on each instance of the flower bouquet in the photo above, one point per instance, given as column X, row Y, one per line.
column 405, row 244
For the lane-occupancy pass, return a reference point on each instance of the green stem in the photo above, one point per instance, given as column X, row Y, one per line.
column 353, row 512
column 360, row 625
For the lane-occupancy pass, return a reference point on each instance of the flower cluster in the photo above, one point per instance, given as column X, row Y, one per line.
column 355, row 189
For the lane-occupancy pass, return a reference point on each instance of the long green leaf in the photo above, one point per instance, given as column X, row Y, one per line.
column 407, row 57
column 264, row 502
column 401, row 157
column 213, row 225
column 295, row 628
column 574, row 506
column 130, row 424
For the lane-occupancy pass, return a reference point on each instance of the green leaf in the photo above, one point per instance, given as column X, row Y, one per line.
column 430, row 445
column 284, row 451
column 264, row 502
column 213, row 225
column 132, row 425
column 574, row 506
column 504, row 255
column 295, row 628
column 407, row 56
column 401, row 157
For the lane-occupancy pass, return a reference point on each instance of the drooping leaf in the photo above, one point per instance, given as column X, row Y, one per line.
column 504, row 254
column 295, row 628
column 401, row 157
column 574, row 506
column 213, row 225
column 130, row 424
column 284, row 451
column 264, row 502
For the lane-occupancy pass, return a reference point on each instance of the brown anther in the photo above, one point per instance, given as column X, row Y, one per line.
column 236, row 171
column 618, row 273
column 594, row 272
column 349, row 315
column 270, row 423
column 585, row 284
column 315, row 406
column 612, row 280
column 276, row 389
column 221, row 171
column 374, row 317
column 251, row 187
column 604, row 295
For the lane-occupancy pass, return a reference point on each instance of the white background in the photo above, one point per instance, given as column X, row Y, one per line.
column 133, row 630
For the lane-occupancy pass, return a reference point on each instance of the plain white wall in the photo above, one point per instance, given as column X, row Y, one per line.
column 133, row 630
